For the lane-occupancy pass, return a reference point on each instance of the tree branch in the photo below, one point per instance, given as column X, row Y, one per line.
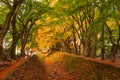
column 7, row 3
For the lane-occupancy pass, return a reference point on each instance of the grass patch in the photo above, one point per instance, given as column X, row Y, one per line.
column 83, row 69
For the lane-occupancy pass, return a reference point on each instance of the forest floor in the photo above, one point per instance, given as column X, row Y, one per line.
column 14, row 65
column 61, row 66
column 84, row 68
column 106, row 61
column 56, row 71
column 40, row 68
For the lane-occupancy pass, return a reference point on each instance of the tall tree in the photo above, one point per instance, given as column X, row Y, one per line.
column 12, row 6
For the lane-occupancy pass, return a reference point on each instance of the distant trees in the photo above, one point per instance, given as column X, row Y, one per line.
column 84, row 27
column 93, row 27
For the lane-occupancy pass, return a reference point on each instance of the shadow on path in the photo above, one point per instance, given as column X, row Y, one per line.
column 40, row 68
column 32, row 69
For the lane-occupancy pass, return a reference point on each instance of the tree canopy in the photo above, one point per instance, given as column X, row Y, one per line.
column 84, row 27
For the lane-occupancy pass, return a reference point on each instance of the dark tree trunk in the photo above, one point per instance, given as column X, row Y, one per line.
column 103, row 45
column 15, row 37
column 94, row 52
column 13, row 48
column 79, row 52
column 74, row 39
column 23, row 42
column 95, row 47
column 102, row 54
column 6, row 25
column 58, row 46
column 67, row 47
column 114, row 51
column 84, row 49
column 1, row 52
column 89, row 50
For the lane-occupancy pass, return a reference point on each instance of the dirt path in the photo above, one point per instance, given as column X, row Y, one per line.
column 34, row 69
column 4, row 73
column 56, row 71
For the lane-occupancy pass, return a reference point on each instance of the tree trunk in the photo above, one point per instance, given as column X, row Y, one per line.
column 4, row 29
column 103, row 45
column 75, row 44
column 74, row 39
column 89, row 50
column 23, row 42
column 58, row 46
column 114, row 51
column 13, row 48
column 84, row 49
column 6, row 25
column 15, row 38
column 67, row 47
column 79, row 52
column 95, row 47
column 79, row 45
column 1, row 52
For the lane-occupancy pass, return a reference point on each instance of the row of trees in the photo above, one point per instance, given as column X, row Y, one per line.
column 86, row 27
column 83, row 27
column 18, row 24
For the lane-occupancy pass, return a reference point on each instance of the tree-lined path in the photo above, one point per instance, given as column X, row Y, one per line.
column 86, row 28
column 60, row 66
column 34, row 69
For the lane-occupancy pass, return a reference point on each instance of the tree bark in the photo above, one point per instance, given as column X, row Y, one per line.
column 103, row 45
column 95, row 47
column 67, row 47
column 5, row 27
column 23, row 42
column 13, row 48
column 114, row 51
column 74, row 39
column 6, row 24
column 14, row 37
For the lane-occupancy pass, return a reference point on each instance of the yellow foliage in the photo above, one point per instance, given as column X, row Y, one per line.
column 38, row 22
column 46, row 37
column 111, row 23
